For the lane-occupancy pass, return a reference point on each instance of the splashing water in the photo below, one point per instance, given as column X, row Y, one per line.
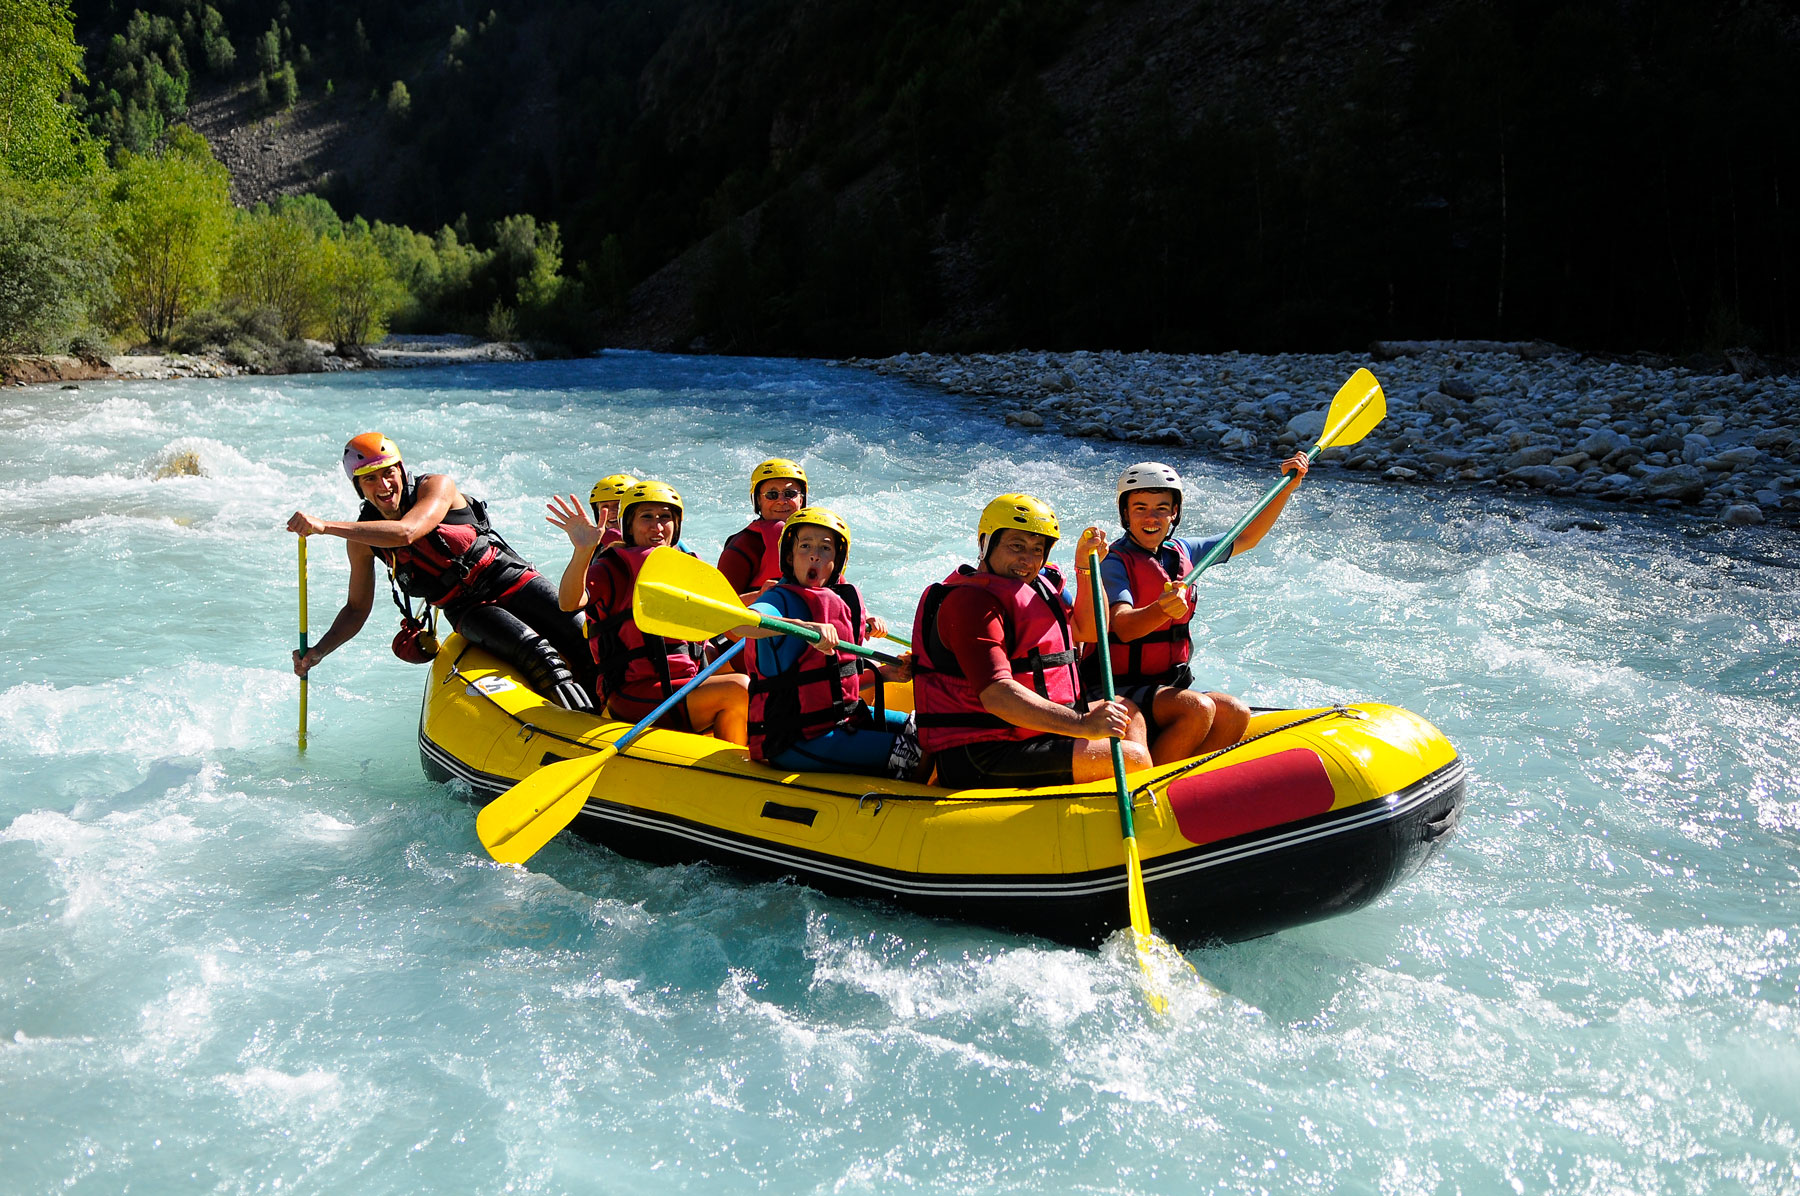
column 226, row 966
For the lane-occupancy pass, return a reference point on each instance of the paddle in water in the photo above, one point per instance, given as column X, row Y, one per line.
column 1358, row 407
column 680, row 597
column 520, row 821
column 302, row 641
column 1145, row 939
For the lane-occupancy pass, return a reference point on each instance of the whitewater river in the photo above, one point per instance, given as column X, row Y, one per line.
column 225, row 966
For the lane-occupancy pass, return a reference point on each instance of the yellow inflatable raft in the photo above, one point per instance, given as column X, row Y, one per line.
column 1316, row 813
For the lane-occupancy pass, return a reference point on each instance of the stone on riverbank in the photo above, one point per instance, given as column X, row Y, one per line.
column 1684, row 483
column 1459, row 413
column 1744, row 514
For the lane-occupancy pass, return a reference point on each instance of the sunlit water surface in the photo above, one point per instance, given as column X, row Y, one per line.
column 228, row 967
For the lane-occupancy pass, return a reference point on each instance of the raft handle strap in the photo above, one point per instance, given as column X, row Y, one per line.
column 865, row 797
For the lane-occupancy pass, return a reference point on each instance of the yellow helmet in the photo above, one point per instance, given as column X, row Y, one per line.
column 648, row 490
column 611, row 488
column 1020, row 511
column 770, row 470
column 823, row 517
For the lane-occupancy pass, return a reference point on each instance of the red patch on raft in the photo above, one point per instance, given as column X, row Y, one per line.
column 1249, row 797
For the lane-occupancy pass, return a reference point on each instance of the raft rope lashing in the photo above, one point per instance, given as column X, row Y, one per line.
column 527, row 728
column 1148, row 786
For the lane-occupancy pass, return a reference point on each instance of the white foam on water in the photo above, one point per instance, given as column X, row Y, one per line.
column 193, row 710
column 302, row 971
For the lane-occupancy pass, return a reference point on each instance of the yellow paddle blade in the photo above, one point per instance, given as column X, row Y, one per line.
column 678, row 615
column 679, row 597
column 515, row 825
column 1358, row 407
column 1141, row 933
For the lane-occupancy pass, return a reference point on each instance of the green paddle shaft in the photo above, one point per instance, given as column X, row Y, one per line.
column 1219, row 550
column 1098, row 594
column 1330, row 435
column 769, row 623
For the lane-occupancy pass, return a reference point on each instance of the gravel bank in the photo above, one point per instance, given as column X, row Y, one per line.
column 1532, row 417
column 395, row 351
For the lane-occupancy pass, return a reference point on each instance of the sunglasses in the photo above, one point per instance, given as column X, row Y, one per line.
column 790, row 492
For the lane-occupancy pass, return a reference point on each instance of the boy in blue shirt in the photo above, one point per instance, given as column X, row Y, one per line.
column 1149, row 614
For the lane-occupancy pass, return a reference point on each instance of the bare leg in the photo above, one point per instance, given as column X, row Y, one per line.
column 721, row 704
column 1230, row 720
column 1184, row 718
column 1093, row 757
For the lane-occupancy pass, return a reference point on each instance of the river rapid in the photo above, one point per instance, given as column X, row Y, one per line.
column 226, row 966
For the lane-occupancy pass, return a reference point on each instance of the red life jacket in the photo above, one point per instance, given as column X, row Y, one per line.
column 643, row 668
column 461, row 560
column 1155, row 657
column 814, row 695
column 753, row 555
column 1039, row 647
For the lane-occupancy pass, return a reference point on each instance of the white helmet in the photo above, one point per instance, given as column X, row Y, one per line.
column 1149, row 475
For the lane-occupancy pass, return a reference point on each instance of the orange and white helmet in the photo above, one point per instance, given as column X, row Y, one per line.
column 369, row 453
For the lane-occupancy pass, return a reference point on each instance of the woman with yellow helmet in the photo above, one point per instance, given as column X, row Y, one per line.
column 806, row 708
column 995, row 682
column 604, row 501
column 438, row 546
column 750, row 560
column 637, row 671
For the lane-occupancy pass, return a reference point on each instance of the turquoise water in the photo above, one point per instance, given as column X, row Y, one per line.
column 228, row 967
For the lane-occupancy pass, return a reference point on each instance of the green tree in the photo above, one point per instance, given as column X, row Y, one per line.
column 360, row 290
column 56, row 262
column 284, row 86
column 172, row 218
column 268, row 50
column 41, row 137
column 277, row 262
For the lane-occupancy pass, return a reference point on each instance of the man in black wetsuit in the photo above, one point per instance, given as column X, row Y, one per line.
column 438, row 546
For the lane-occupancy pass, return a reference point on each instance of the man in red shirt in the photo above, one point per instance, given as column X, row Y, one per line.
column 995, row 681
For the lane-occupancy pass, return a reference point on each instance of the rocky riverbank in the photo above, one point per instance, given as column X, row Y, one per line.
column 396, row 351
column 1528, row 416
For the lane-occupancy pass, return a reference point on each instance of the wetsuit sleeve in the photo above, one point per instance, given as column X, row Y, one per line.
column 779, row 653
column 735, row 564
column 1116, row 580
column 969, row 625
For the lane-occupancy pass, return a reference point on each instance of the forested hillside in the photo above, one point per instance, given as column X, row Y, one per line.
column 848, row 176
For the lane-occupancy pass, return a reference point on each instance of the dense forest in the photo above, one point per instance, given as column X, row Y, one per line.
column 859, row 177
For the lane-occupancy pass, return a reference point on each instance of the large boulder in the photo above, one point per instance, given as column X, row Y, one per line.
column 1535, row 454
column 1601, row 442
column 1543, row 477
column 1683, row 482
column 1742, row 457
column 1743, row 514
column 1308, row 426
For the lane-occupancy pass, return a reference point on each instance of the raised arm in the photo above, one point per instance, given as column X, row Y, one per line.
column 437, row 494
column 584, row 537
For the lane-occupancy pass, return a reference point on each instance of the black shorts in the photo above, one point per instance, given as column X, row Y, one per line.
column 1008, row 764
column 1142, row 696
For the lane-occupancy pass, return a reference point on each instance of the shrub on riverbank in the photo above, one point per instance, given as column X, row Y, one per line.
column 152, row 248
